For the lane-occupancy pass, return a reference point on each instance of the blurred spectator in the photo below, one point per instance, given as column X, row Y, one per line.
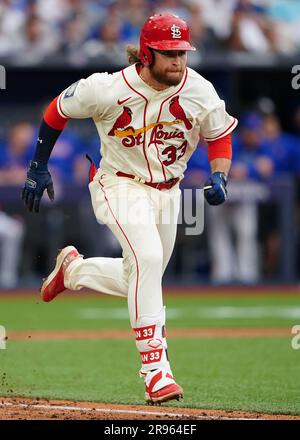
column 261, row 151
column 11, row 16
column 68, row 146
column 286, row 157
column 33, row 44
column 12, row 19
column 16, row 153
column 251, row 30
column 283, row 147
column 217, row 18
column 11, row 235
column 106, row 46
column 198, row 169
column 252, row 158
column 54, row 12
column 17, row 150
column 81, row 164
column 133, row 13
column 75, row 32
column 198, row 33
column 233, row 228
column 81, row 31
column 265, row 105
column 177, row 7
column 296, row 124
column 285, row 15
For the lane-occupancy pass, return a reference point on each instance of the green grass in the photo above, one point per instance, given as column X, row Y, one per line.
column 88, row 312
column 254, row 374
column 242, row 374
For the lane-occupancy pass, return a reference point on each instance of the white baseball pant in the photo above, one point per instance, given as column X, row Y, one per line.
column 144, row 220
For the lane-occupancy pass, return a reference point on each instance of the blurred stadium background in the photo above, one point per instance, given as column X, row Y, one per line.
column 246, row 48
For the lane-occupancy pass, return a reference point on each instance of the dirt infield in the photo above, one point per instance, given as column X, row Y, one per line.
column 41, row 409
column 52, row 335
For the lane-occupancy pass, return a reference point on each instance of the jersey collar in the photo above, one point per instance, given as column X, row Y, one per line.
column 134, row 81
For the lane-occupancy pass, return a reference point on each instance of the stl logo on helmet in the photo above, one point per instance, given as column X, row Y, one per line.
column 176, row 32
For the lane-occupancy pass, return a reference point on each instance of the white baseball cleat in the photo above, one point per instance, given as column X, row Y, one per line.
column 53, row 285
column 161, row 387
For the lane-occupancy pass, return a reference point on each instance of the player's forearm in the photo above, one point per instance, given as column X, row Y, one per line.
column 220, row 154
column 45, row 142
column 222, row 165
column 51, row 127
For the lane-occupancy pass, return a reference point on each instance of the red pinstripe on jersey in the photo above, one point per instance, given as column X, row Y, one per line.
column 214, row 138
column 159, row 113
column 144, row 122
column 59, row 107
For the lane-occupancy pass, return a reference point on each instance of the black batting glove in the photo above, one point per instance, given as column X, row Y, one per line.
column 215, row 190
column 38, row 179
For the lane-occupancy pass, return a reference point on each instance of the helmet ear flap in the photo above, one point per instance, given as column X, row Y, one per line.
column 146, row 56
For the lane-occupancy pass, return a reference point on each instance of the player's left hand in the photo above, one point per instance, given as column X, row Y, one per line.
column 215, row 190
column 38, row 179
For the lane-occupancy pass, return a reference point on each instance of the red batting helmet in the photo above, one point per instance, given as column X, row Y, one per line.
column 163, row 32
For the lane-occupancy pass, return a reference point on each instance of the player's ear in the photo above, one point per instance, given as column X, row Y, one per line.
column 152, row 56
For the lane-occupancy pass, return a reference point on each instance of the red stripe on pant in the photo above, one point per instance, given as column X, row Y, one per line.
column 135, row 257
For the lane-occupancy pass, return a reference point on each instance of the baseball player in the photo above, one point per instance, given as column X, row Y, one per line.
column 149, row 117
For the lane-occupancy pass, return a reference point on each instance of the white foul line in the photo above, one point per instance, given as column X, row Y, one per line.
column 118, row 411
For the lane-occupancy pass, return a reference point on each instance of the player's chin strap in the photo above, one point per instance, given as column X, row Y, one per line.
column 151, row 342
column 93, row 168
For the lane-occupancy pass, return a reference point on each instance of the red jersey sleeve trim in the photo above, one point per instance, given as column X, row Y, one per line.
column 225, row 132
column 53, row 116
column 221, row 148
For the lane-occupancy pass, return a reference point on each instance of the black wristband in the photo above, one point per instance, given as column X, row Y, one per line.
column 45, row 143
column 38, row 166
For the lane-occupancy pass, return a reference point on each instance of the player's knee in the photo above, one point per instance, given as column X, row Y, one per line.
column 150, row 258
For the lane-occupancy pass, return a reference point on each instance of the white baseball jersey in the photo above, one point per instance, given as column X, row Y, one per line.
column 147, row 133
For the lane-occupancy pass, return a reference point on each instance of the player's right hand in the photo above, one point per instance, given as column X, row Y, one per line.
column 38, row 179
column 215, row 190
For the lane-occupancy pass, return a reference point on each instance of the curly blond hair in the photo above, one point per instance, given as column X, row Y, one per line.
column 132, row 54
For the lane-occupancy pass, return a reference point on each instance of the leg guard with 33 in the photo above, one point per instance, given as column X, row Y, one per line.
column 156, row 371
